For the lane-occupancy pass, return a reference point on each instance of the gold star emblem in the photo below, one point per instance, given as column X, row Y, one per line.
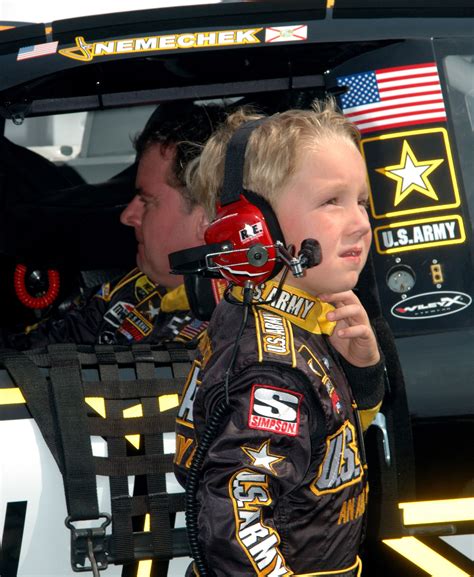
column 411, row 175
column 262, row 457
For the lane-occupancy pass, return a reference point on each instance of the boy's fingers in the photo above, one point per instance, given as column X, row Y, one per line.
column 356, row 331
column 348, row 311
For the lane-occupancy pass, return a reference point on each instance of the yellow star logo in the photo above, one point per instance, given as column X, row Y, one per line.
column 411, row 175
column 262, row 457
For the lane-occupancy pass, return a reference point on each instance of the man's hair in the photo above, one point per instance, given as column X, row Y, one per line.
column 184, row 126
column 273, row 150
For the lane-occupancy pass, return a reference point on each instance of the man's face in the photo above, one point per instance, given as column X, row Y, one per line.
column 160, row 217
column 326, row 200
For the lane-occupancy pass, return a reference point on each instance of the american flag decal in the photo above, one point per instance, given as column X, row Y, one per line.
column 37, row 50
column 193, row 329
column 393, row 97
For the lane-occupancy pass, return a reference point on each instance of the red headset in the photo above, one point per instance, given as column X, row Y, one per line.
column 244, row 242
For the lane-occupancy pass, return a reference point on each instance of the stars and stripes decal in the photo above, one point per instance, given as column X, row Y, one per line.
column 393, row 97
column 37, row 50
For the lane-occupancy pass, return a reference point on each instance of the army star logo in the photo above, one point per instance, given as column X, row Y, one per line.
column 262, row 457
column 411, row 175
column 152, row 311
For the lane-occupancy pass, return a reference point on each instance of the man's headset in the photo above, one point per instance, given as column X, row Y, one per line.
column 244, row 244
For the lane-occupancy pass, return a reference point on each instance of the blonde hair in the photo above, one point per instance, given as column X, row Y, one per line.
column 273, row 150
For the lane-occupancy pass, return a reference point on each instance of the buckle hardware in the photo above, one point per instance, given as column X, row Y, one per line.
column 89, row 544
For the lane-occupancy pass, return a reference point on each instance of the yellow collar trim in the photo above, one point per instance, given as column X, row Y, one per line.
column 175, row 300
column 299, row 307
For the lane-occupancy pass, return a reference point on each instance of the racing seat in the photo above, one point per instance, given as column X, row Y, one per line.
column 76, row 393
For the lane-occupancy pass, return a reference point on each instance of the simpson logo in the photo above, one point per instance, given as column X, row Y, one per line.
column 87, row 51
column 251, row 232
column 275, row 410
column 431, row 305
column 418, row 234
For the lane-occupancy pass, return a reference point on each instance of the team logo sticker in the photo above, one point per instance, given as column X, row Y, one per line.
column 431, row 305
column 276, row 410
column 410, row 172
column 418, row 234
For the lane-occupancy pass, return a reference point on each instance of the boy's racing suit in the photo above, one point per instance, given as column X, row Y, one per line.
column 283, row 488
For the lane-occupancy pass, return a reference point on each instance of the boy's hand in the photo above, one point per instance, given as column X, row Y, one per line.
column 353, row 337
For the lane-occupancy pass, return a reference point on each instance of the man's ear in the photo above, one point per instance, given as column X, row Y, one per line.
column 202, row 222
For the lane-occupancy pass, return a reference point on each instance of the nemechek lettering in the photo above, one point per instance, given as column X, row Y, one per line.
column 86, row 51
column 249, row 493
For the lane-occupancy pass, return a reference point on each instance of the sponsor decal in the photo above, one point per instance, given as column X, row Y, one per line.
column 176, row 323
column 262, row 457
column 286, row 33
column 219, row 286
column 104, row 292
column 116, row 314
column 251, row 232
column 249, row 493
column 37, row 50
column 341, row 464
column 276, row 410
column 319, row 369
column 431, row 305
column 185, row 411
column 143, row 287
column 392, row 97
column 87, row 51
column 418, row 234
column 136, row 326
column 274, row 337
column 410, row 172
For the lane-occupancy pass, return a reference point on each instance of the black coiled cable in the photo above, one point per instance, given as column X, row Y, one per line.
column 210, row 433
column 192, row 485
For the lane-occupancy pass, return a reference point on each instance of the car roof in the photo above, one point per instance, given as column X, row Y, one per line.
column 203, row 51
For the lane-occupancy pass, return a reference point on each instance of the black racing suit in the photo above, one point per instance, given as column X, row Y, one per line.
column 133, row 309
column 283, row 487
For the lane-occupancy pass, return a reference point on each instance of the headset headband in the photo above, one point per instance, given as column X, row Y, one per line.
column 233, row 185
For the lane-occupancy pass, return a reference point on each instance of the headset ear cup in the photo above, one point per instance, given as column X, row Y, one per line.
column 270, row 221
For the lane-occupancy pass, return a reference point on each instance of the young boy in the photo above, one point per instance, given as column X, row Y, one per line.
column 282, row 488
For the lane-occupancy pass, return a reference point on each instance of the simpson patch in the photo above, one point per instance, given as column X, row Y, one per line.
column 276, row 410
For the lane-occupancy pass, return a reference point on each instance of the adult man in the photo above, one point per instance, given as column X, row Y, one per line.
column 148, row 304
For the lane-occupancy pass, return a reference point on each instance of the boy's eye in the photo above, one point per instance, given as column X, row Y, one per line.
column 364, row 202
column 331, row 201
